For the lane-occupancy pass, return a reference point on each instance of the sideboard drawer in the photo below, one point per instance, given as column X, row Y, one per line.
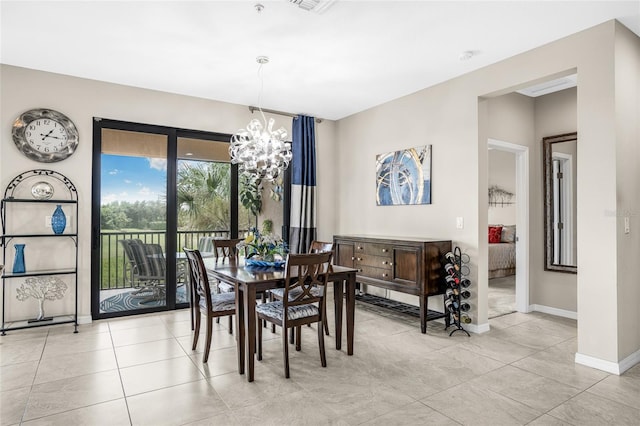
column 375, row 273
column 374, row 249
column 375, row 261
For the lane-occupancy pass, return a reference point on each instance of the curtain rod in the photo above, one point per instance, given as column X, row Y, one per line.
column 273, row 111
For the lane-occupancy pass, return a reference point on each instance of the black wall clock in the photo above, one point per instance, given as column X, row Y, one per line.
column 45, row 135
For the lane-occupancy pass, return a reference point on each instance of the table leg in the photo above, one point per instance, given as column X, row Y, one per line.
column 338, row 293
column 351, row 310
column 423, row 313
column 250, row 324
column 240, row 333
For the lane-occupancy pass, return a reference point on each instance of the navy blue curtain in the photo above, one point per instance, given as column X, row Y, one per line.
column 303, row 185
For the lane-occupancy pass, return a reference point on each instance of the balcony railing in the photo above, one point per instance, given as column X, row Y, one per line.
column 115, row 273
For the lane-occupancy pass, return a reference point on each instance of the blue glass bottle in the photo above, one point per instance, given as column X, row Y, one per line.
column 18, row 260
column 58, row 220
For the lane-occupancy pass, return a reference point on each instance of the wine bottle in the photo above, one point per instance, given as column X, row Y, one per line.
column 465, row 283
column 450, row 257
column 448, row 303
column 465, row 294
column 451, row 268
column 465, row 318
column 464, row 306
column 452, row 281
column 451, row 293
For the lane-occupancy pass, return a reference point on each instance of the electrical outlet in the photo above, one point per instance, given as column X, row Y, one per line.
column 459, row 223
column 627, row 225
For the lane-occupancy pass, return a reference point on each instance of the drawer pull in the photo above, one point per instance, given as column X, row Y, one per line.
column 384, row 262
column 353, row 258
column 385, row 275
column 359, row 259
column 359, row 270
column 359, row 248
column 390, row 263
column 384, row 250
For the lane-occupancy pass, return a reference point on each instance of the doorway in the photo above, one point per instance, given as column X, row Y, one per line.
column 520, row 156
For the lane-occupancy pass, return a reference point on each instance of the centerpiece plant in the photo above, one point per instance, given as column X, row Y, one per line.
column 267, row 247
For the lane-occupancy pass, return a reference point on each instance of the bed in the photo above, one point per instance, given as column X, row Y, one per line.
column 502, row 250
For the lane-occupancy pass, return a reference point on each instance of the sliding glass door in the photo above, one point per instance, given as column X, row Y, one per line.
column 156, row 190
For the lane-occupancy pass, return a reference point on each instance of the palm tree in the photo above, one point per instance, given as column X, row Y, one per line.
column 203, row 191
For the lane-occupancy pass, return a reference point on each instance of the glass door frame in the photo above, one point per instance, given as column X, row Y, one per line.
column 171, row 207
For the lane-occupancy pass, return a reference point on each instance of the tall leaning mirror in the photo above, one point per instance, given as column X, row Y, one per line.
column 559, row 162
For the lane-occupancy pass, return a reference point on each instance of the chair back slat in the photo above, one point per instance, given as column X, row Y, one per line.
column 205, row 244
column 147, row 260
column 304, row 272
column 226, row 248
column 320, row 247
column 199, row 278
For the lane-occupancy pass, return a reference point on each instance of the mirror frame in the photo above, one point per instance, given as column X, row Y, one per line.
column 547, row 143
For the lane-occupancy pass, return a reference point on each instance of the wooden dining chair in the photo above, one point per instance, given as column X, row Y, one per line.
column 205, row 303
column 315, row 247
column 225, row 249
column 302, row 303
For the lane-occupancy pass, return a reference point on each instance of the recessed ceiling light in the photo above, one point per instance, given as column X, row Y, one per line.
column 466, row 55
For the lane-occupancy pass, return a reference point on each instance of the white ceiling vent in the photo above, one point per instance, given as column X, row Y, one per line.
column 317, row 6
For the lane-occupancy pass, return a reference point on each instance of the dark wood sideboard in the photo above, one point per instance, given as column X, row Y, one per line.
column 407, row 265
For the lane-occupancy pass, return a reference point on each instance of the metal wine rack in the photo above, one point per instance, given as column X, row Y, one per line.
column 455, row 299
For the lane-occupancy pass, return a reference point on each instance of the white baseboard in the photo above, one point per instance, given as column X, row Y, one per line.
column 84, row 319
column 477, row 328
column 554, row 311
column 610, row 367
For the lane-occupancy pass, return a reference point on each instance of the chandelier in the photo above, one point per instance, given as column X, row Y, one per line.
column 261, row 152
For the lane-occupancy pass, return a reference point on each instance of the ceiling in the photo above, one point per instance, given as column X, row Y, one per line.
column 349, row 57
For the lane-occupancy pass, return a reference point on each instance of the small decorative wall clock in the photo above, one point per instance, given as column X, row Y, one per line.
column 45, row 135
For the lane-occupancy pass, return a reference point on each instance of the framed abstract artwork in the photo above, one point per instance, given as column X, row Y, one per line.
column 404, row 177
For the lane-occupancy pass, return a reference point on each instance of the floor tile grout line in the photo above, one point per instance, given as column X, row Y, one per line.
column 603, row 396
column 124, row 394
column 26, row 405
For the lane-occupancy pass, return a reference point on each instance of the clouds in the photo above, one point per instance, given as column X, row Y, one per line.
column 158, row 164
column 131, row 178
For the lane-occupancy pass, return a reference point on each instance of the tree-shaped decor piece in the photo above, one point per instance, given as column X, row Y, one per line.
column 41, row 289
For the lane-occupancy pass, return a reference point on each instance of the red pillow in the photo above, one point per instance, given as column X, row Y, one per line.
column 495, row 233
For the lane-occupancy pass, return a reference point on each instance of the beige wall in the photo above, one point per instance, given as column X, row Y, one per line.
column 82, row 99
column 453, row 117
column 627, row 93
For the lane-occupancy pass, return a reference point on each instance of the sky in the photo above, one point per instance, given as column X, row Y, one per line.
column 133, row 179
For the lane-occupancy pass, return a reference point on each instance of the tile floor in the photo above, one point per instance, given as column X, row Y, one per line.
column 501, row 296
column 141, row 371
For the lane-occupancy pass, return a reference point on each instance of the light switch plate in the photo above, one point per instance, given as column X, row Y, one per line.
column 459, row 223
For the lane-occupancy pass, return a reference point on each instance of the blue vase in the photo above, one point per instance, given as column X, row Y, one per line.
column 58, row 220
column 18, row 261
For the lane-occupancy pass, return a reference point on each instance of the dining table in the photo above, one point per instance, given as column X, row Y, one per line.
column 250, row 280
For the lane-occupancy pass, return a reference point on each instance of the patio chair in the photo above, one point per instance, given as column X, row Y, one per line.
column 303, row 301
column 147, row 268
